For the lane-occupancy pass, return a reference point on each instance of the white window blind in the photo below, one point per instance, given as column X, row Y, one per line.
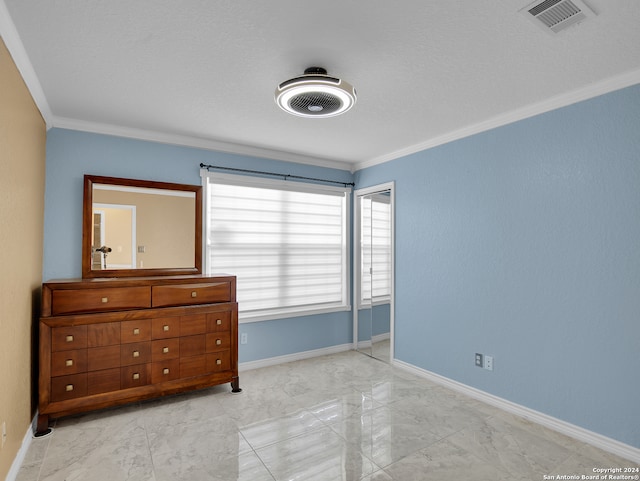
column 285, row 241
column 376, row 249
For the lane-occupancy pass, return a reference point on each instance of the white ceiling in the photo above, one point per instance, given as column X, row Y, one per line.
column 203, row 72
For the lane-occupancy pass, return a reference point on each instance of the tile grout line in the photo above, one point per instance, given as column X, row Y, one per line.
column 257, row 455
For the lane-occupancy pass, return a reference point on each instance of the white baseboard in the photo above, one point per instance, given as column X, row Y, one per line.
column 296, row 356
column 22, row 453
column 576, row 432
column 381, row 337
column 374, row 339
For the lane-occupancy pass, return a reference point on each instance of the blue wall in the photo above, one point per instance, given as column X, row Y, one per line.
column 524, row 243
column 71, row 154
column 374, row 321
column 380, row 319
column 521, row 243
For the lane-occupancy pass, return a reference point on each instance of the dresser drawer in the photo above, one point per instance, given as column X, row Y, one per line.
column 188, row 294
column 135, row 331
column 68, row 387
column 165, row 327
column 68, row 362
column 163, row 349
column 76, row 301
column 68, row 338
column 217, row 341
column 135, row 353
column 134, row 376
column 219, row 321
column 219, row 361
column 165, row 371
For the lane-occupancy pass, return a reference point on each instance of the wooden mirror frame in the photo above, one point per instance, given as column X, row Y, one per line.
column 87, row 228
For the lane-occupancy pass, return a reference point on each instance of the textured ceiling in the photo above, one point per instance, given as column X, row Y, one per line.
column 203, row 73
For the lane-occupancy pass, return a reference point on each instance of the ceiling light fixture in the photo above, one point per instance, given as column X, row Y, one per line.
column 315, row 94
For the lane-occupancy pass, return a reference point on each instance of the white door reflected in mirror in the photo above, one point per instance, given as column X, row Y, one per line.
column 114, row 236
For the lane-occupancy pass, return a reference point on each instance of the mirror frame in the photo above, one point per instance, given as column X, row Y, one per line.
column 87, row 224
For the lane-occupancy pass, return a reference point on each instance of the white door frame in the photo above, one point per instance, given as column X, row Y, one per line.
column 134, row 233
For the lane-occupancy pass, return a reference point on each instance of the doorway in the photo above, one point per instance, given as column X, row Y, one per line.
column 374, row 268
column 113, row 242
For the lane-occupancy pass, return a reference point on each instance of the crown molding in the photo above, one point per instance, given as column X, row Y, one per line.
column 16, row 48
column 584, row 93
column 14, row 44
column 9, row 34
column 200, row 143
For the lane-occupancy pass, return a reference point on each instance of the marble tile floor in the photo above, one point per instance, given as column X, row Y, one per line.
column 380, row 350
column 345, row 416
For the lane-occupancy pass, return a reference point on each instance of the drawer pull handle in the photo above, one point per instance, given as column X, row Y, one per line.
column 165, row 350
column 69, row 387
column 136, row 376
column 105, row 300
column 218, row 362
column 136, row 353
column 68, row 362
column 69, row 338
column 165, row 370
column 219, row 322
column 218, row 342
column 136, row 331
column 165, row 328
column 194, row 294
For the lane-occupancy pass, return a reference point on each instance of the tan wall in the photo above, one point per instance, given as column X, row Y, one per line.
column 22, row 178
column 165, row 227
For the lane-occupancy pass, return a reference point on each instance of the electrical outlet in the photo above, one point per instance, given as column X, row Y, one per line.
column 478, row 359
column 488, row 363
column 244, row 338
column 4, row 432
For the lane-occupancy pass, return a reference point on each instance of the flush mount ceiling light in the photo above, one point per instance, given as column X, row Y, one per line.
column 315, row 94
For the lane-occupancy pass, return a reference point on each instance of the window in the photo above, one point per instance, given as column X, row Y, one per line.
column 285, row 241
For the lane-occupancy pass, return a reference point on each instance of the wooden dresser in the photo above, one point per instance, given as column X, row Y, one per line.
column 105, row 342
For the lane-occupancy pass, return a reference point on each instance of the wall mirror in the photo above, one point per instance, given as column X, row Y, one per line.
column 374, row 271
column 140, row 228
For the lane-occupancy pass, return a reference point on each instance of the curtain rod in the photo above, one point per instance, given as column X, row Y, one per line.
column 284, row 176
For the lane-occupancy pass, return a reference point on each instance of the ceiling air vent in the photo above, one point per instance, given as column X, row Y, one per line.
column 557, row 15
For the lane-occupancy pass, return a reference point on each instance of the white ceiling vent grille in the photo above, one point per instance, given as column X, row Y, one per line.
column 557, row 15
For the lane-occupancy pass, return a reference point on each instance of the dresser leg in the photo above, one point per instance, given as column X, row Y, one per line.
column 42, row 427
column 235, row 385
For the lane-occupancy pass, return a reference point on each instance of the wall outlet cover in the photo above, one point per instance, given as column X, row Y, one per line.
column 488, row 363
column 478, row 359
